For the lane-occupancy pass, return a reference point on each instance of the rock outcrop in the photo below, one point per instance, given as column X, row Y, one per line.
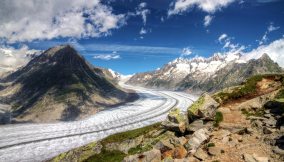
column 205, row 107
column 176, row 121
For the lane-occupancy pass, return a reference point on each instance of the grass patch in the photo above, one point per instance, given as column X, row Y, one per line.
column 246, row 89
column 280, row 94
column 130, row 134
column 258, row 113
column 139, row 149
column 77, row 154
column 195, row 106
column 218, row 118
column 109, row 156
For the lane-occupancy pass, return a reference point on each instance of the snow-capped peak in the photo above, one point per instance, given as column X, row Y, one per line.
column 198, row 65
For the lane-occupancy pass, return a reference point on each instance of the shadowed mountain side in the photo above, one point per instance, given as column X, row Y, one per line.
column 58, row 85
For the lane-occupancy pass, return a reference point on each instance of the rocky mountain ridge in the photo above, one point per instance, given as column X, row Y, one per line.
column 202, row 74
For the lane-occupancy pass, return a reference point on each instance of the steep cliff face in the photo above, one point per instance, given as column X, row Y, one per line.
column 58, row 85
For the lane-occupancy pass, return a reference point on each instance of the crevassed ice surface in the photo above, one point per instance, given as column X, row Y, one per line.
column 39, row 142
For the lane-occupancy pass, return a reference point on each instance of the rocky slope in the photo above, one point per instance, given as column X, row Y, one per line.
column 58, row 85
column 241, row 123
column 205, row 74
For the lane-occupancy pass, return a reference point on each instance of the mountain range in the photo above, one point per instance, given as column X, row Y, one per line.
column 59, row 84
column 201, row 74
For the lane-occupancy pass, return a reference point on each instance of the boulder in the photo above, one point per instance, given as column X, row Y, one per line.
column 179, row 152
column 186, row 160
column 176, row 121
column 267, row 130
column 279, row 151
column 214, row 151
column 194, row 126
column 205, row 107
column 164, row 145
column 153, row 155
column 200, row 154
column 197, row 139
column 255, row 158
column 249, row 158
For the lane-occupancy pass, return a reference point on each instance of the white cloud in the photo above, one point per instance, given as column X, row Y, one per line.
column 12, row 58
column 105, row 48
column 37, row 20
column 107, row 57
column 222, row 37
column 186, row 52
column 209, row 6
column 142, row 5
column 143, row 31
column 207, row 20
column 275, row 50
column 227, row 43
column 141, row 10
column 270, row 29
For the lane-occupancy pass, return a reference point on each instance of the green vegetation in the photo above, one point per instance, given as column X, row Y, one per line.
column 218, row 118
column 259, row 112
column 247, row 89
column 87, row 153
column 210, row 145
column 78, row 154
column 109, row 156
column 195, row 106
column 280, row 96
column 130, row 134
column 139, row 149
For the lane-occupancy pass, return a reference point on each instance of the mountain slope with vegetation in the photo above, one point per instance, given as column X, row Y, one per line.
column 59, row 85
column 240, row 123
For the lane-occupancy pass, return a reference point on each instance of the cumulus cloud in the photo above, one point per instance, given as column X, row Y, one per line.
column 107, row 57
column 209, row 6
column 12, row 58
column 186, row 52
column 270, row 29
column 275, row 50
column 37, row 20
column 207, row 20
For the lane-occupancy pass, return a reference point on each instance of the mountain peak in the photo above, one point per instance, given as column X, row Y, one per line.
column 59, row 50
column 265, row 56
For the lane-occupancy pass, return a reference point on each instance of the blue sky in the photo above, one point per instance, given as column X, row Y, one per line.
column 133, row 43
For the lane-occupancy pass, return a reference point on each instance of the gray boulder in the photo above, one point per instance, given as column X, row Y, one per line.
column 197, row 139
column 204, row 107
column 176, row 121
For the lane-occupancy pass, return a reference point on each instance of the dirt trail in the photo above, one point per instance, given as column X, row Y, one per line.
column 231, row 138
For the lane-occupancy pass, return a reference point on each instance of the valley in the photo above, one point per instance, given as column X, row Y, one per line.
column 38, row 142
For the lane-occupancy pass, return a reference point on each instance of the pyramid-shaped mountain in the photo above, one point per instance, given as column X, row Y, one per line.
column 58, row 85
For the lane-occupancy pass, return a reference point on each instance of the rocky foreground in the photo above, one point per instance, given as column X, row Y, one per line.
column 242, row 123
